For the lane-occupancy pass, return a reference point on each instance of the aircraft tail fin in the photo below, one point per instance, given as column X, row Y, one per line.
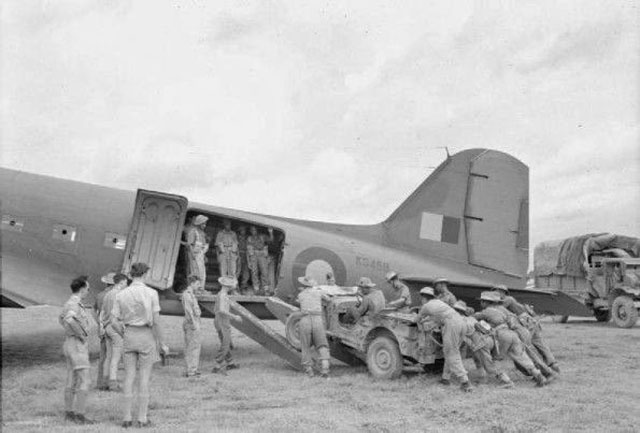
column 474, row 208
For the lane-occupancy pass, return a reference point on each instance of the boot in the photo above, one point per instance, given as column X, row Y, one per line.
column 309, row 372
column 540, row 380
column 466, row 386
column 555, row 367
column 505, row 381
column 445, row 382
column 81, row 419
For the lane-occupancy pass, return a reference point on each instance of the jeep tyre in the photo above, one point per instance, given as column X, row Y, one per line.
column 292, row 330
column 624, row 313
column 383, row 358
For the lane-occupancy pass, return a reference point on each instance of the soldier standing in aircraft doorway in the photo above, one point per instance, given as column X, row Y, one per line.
column 227, row 249
column 242, row 266
column 197, row 247
column 257, row 254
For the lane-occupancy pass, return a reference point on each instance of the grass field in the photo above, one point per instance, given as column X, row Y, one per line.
column 599, row 389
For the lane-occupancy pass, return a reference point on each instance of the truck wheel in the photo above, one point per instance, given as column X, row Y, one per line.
column 602, row 315
column 624, row 313
column 383, row 358
column 292, row 330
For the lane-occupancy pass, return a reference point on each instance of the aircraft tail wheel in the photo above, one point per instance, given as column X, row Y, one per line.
column 624, row 313
column 383, row 358
column 560, row 319
column 292, row 330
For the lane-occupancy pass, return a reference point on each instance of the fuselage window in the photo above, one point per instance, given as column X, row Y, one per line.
column 64, row 232
column 115, row 240
column 13, row 223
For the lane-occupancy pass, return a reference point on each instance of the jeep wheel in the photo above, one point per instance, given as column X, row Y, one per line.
column 383, row 358
column 602, row 315
column 292, row 330
column 624, row 313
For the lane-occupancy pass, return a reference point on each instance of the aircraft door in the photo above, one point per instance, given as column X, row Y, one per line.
column 155, row 235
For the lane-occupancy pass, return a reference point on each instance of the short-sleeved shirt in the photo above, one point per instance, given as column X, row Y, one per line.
column 191, row 308
column 494, row 316
column 310, row 300
column 73, row 310
column 100, row 299
column 401, row 292
column 135, row 305
column 437, row 310
column 372, row 303
column 510, row 303
column 196, row 237
column 242, row 242
column 227, row 240
column 447, row 297
column 107, row 306
column 257, row 242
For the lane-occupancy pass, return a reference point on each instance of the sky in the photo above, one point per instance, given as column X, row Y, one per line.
column 329, row 110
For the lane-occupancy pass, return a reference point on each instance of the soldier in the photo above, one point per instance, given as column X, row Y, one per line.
column 114, row 337
column 372, row 300
column 102, row 382
column 137, row 311
column 442, row 291
column 453, row 333
column 242, row 269
column 480, row 343
column 274, row 245
column 257, row 254
column 530, row 322
column 508, row 341
column 191, row 327
column 75, row 321
column 197, row 247
column 401, row 296
column 312, row 327
column 224, row 360
column 227, row 248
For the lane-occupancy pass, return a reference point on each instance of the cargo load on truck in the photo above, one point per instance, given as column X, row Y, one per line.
column 601, row 270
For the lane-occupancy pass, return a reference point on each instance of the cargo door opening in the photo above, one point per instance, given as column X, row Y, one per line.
column 267, row 273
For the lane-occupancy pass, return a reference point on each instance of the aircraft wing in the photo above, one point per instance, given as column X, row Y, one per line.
column 552, row 302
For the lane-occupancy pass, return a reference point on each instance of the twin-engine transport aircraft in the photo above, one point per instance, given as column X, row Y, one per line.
column 468, row 221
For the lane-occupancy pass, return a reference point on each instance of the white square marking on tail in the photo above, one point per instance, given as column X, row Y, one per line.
column 431, row 226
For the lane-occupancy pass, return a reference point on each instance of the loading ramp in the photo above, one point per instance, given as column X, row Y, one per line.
column 257, row 329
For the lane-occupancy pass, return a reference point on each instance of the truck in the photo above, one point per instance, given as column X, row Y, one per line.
column 387, row 343
column 600, row 270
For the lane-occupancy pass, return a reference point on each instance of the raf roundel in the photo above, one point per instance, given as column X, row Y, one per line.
column 316, row 262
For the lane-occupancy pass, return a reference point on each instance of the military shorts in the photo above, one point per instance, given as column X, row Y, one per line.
column 113, row 337
column 139, row 340
column 76, row 353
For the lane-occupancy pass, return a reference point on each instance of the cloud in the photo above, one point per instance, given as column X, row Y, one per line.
column 327, row 111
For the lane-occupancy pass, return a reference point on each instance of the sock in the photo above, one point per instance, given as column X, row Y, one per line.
column 127, row 402
column 68, row 399
column 81, row 401
column 143, row 407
